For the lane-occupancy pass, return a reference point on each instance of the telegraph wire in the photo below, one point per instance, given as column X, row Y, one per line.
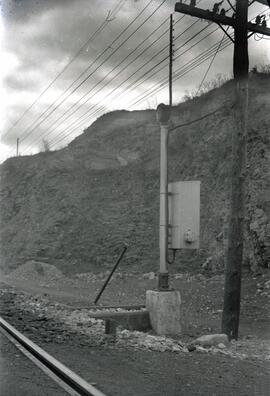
column 107, row 95
column 84, row 72
column 186, row 68
column 108, row 57
column 159, row 89
column 122, row 68
column 140, row 100
column 211, row 63
column 149, row 70
column 115, row 76
column 89, row 40
column 128, row 87
column 121, row 84
column 139, row 96
column 198, row 119
column 178, row 76
column 182, row 71
column 29, row 130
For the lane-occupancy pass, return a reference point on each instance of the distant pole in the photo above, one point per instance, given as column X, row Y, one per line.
column 232, row 289
column 171, row 60
column 17, row 149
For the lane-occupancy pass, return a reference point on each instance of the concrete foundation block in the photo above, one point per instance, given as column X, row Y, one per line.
column 164, row 311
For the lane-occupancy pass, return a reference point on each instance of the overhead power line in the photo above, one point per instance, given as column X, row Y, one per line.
column 89, row 40
column 55, row 126
column 43, row 114
column 189, row 66
column 37, row 123
column 119, row 72
column 211, row 63
column 77, row 105
column 133, row 84
column 141, row 99
column 101, row 65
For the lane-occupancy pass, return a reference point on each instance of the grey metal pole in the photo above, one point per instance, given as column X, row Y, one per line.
column 163, row 114
column 163, row 226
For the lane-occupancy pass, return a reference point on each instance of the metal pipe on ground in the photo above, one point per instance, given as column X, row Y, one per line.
column 110, row 275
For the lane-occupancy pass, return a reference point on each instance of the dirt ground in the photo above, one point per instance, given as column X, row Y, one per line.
column 52, row 313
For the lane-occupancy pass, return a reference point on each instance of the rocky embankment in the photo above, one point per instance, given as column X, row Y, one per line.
column 77, row 206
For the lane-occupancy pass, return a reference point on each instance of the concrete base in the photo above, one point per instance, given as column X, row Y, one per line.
column 164, row 311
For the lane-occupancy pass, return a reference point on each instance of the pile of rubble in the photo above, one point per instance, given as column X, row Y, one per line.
column 80, row 323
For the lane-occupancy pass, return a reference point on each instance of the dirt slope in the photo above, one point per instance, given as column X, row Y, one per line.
column 75, row 207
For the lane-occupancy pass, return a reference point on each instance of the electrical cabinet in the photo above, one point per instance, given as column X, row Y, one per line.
column 184, row 215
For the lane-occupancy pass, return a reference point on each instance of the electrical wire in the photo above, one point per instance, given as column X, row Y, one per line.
column 157, row 90
column 108, row 57
column 32, row 127
column 185, row 68
column 197, row 119
column 114, row 89
column 126, row 66
column 124, row 90
column 211, row 63
column 158, row 87
column 105, row 77
column 100, row 65
column 89, row 99
column 89, row 40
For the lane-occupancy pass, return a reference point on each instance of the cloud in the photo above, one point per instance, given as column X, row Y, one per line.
column 29, row 82
column 25, row 10
column 42, row 36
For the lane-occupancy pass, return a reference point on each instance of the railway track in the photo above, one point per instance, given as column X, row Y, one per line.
column 72, row 383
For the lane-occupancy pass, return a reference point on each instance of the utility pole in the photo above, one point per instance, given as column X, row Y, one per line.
column 171, row 60
column 234, row 258
column 232, row 289
column 17, row 147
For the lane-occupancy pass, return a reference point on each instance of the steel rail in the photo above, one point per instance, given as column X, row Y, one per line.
column 72, row 380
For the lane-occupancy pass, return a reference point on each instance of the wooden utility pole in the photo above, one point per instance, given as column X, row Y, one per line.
column 232, row 289
column 171, row 60
column 234, row 258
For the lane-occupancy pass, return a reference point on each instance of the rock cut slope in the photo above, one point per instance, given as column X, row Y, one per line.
column 75, row 207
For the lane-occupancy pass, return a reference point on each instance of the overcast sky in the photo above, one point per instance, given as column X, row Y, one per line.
column 40, row 37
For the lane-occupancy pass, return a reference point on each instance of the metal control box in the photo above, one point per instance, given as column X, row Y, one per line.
column 184, row 215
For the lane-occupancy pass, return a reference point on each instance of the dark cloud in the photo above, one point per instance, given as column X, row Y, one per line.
column 25, row 10
column 44, row 35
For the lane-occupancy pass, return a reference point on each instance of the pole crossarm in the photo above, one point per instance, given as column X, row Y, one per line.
column 264, row 2
column 217, row 18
